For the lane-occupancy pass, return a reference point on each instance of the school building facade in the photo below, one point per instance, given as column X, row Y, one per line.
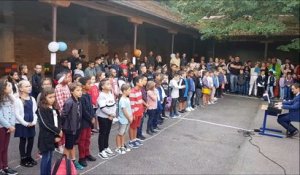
column 100, row 27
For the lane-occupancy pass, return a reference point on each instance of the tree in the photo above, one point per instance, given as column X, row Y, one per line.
column 220, row 19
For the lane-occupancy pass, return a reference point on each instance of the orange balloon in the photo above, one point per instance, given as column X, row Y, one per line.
column 137, row 53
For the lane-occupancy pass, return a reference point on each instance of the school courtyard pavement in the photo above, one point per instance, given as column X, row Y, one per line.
column 205, row 141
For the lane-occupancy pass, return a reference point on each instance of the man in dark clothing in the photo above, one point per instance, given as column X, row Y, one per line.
column 183, row 61
column 234, row 72
column 74, row 59
column 99, row 66
column 61, row 67
column 151, row 59
column 36, row 81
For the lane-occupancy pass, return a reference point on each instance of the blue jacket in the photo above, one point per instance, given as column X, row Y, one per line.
column 294, row 108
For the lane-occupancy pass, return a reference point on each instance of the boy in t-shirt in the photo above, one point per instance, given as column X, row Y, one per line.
column 137, row 106
column 174, row 95
column 125, row 118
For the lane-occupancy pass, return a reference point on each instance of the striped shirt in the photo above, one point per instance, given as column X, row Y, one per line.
column 136, row 101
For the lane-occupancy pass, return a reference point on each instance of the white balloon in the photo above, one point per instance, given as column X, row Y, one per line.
column 53, row 46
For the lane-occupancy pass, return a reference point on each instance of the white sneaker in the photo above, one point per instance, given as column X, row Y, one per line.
column 115, row 120
column 120, row 151
column 188, row 109
column 192, row 109
column 127, row 149
column 209, row 103
column 103, row 155
column 215, row 98
column 109, row 152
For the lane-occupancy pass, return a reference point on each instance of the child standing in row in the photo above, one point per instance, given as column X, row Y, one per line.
column 175, row 95
column 62, row 94
column 137, row 106
column 125, row 118
column 152, row 106
column 88, row 119
column 191, row 90
column 183, row 92
column 25, row 124
column 271, row 83
column 72, row 116
column 7, row 124
column 105, row 113
column 50, row 128
column 282, row 85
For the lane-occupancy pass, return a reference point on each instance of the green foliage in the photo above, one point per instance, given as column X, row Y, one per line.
column 294, row 45
column 235, row 17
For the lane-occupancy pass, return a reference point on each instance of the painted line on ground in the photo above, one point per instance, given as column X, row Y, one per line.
column 216, row 124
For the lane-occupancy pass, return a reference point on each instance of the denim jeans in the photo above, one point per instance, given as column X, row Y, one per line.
column 247, row 86
column 287, row 93
column 241, row 89
column 189, row 99
column 46, row 163
column 281, row 92
column 173, row 108
column 198, row 96
column 233, row 83
column 151, row 115
column 271, row 91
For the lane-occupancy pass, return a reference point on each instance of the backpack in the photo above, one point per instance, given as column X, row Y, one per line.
column 64, row 166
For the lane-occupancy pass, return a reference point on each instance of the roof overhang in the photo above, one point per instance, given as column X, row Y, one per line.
column 121, row 8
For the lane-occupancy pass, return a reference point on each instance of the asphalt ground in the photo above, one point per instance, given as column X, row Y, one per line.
column 204, row 141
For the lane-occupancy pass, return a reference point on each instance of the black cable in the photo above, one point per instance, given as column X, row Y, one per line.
column 249, row 134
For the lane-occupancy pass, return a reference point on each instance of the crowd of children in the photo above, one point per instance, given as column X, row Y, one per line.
column 76, row 103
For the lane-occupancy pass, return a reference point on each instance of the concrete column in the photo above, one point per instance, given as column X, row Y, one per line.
column 54, row 22
column 7, row 51
column 173, row 33
column 266, row 43
column 135, row 35
column 136, row 22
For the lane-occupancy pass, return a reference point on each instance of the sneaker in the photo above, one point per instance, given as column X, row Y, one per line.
column 90, row 158
column 103, row 155
column 141, row 137
column 115, row 120
column 133, row 144
column 209, row 103
column 26, row 163
column 2, row 172
column 125, row 148
column 157, row 128
column 82, row 162
column 120, row 151
column 293, row 133
column 165, row 116
column 109, row 152
column 192, row 108
column 9, row 171
column 139, row 143
column 77, row 165
column 32, row 161
column 174, row 117
column 95, row 130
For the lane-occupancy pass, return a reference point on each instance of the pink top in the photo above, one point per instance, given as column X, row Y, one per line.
column 151, row 100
